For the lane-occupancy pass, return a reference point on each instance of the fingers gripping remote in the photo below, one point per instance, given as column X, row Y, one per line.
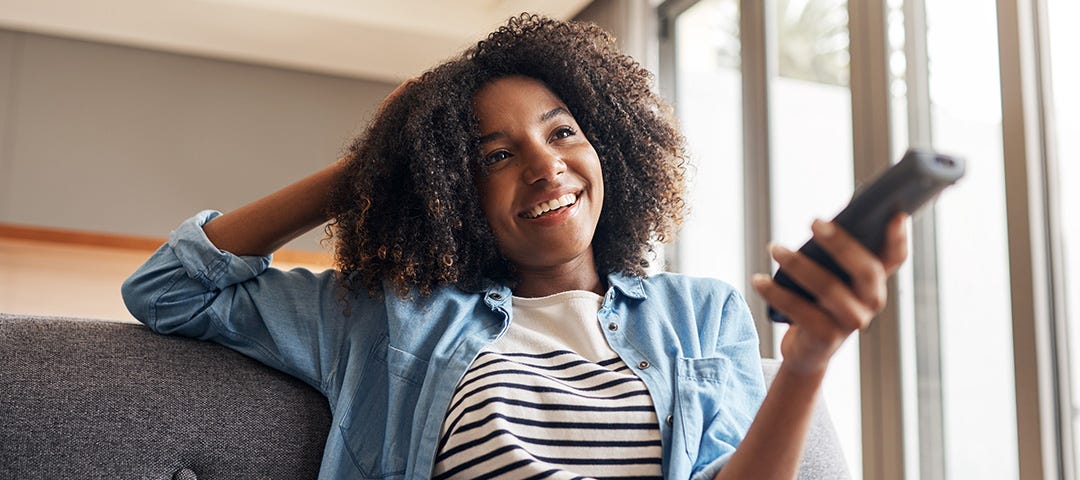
column 904, row 187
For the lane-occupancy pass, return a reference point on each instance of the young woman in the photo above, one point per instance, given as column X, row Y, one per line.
column 491, row 315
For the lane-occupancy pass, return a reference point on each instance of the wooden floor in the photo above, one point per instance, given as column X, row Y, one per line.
column 56, row 279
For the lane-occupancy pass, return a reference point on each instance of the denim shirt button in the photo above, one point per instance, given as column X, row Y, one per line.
column 670, row 420
column 614, row 327
column 643, row 364
column 495, row 296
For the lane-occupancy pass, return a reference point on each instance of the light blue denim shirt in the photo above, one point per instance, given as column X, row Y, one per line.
column 389, row 365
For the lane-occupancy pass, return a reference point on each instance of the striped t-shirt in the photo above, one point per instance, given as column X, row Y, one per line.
column 550, row 399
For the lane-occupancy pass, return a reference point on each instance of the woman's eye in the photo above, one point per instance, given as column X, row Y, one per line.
column 563, row 132
column 495, row 157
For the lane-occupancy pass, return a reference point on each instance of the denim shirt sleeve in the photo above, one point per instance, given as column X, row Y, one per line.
column 285, row 319
column 738, row 341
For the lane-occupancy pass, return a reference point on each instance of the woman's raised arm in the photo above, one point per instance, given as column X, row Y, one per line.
column 263, row 226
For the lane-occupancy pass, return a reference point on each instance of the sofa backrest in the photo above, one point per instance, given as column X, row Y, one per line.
column 95, row 399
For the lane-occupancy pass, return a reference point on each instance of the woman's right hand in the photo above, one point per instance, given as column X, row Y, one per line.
column 819, row 328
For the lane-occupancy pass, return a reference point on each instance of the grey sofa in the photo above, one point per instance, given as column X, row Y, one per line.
column 105, row 400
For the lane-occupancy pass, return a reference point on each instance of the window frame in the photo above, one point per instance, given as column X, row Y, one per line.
column 1043, row 396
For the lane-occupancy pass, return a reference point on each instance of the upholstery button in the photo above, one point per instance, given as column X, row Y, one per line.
column 670, row 420
column 614, row 327
column 643, row 364
column 185, row 474
column 495, row 296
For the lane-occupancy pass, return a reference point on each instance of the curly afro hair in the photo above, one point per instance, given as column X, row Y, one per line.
column 407, row 214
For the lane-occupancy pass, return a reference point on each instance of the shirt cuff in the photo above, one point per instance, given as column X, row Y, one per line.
column 204, row 262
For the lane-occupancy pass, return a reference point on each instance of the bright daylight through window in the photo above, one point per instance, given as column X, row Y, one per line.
column 945, row 91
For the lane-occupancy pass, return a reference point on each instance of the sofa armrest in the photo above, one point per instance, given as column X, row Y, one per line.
column 823, row 457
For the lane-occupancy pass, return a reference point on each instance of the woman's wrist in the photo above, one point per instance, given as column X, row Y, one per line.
column 804, row 368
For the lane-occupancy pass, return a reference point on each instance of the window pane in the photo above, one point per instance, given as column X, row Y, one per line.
column 1063, row 17
column 978, row 392
column 708, row 96
column 812, row 164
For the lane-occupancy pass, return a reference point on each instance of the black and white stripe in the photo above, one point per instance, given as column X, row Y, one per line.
column 549, row 415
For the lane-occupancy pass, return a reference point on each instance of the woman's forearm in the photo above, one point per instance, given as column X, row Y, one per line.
column 263, row 226
column 773, row 445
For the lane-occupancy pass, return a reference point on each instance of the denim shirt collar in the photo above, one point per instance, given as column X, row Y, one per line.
column 630, row 286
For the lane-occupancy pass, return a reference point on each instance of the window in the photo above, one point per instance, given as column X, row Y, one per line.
column 964, row 305
column 977, row 391
column 708, row 93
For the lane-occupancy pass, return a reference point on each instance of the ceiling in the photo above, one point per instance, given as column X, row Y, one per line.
column 383, row 40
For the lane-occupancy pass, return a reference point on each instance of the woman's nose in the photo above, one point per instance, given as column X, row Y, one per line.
column 544, row 163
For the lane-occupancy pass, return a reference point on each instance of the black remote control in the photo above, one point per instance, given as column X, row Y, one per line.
column 905, row 187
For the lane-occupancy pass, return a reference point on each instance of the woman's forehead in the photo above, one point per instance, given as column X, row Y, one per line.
column 508, row 97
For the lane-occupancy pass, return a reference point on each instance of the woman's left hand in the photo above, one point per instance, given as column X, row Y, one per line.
column 818, row 329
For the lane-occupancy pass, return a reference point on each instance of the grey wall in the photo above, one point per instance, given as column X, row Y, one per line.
column 114, row 139
column 8, row 43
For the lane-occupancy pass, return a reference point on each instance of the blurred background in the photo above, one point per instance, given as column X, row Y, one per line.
column 121, row 118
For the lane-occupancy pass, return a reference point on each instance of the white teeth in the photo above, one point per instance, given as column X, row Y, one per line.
column 565, row 200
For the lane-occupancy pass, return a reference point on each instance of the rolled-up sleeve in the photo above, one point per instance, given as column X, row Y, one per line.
column 289, row 320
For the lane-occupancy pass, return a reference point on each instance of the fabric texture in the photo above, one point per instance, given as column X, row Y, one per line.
column 106, row 400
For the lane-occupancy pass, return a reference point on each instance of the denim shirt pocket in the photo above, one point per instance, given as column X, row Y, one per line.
column 701, row 385
column 376, row 428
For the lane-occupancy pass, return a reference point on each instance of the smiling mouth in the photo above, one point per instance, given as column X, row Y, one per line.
column 544, row 208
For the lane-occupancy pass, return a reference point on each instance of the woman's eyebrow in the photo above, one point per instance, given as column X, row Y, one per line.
column 548, row 115
column 491, row 136
column 553, row 113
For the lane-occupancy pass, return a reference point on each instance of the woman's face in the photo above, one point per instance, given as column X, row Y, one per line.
column 540, row 182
